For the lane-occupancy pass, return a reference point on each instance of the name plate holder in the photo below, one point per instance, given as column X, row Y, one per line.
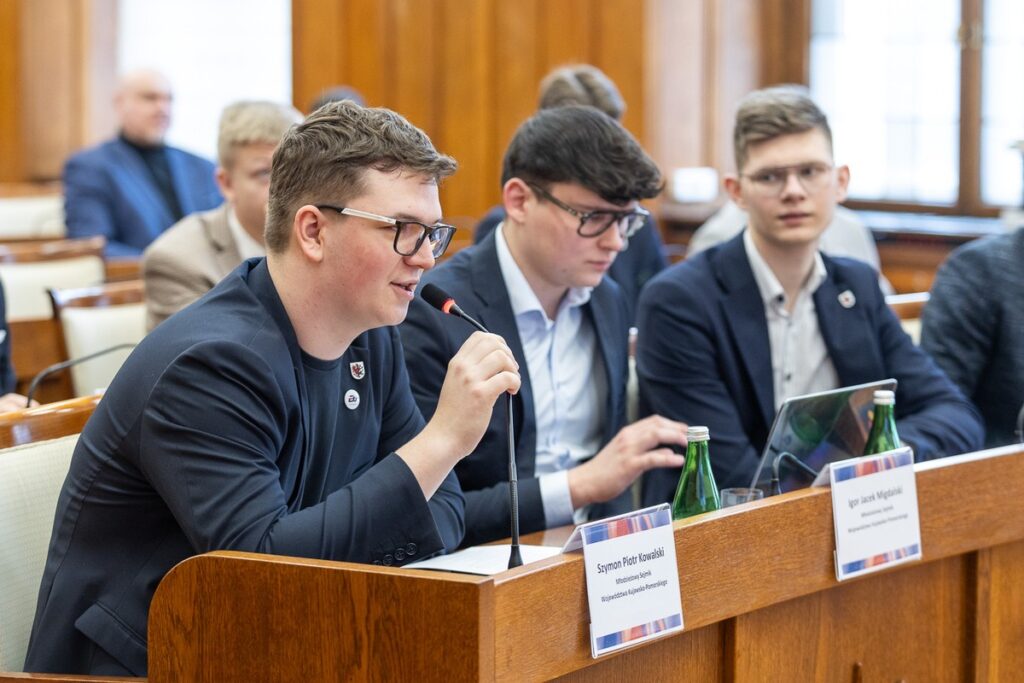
column 632, row 579
column 874, row 507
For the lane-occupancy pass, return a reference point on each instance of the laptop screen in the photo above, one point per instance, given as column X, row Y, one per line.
column 818, row 429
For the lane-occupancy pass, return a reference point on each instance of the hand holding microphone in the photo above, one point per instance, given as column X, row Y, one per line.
column 440, row 300
column 481, row 371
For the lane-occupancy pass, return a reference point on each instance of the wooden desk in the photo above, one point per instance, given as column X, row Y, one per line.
column 760, row 603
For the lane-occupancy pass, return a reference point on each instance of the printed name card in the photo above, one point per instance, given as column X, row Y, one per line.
column 632, row 580
column 874, row 506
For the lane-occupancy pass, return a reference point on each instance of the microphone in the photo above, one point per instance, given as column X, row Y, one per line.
column 442, row 301
column 63, row 365
column 790, row 458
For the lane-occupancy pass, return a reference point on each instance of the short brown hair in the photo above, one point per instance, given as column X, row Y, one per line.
column 250, row 123
column 581, row 84
column 324, row 157
column 772, row 112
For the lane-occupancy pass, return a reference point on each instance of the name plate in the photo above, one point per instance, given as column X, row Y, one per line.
column 874, row 506
column 632, row 579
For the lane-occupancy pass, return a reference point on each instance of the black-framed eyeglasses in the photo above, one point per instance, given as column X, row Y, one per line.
column 593, row 223
column 409, row 235
column 770, row 182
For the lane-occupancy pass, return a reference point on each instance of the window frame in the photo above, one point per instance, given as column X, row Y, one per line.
column 785, row 58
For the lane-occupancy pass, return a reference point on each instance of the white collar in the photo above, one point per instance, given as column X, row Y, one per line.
column 247, row 246
column 520, row 294
column 772, row 293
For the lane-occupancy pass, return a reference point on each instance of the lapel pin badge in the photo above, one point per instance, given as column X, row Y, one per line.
column 847, row 299
column 358, row 369
column 351, row 399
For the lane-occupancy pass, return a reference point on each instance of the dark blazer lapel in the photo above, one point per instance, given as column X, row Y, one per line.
column 493, row 309
column 743, row 310
column 603, row 318
column 845, row 329
column 141, row 187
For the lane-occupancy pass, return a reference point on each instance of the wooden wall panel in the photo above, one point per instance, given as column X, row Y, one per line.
column 466, row 71
column 568, row 28
column 10, row 82
column 617, row 51
column 416, row 44
column 51, row 50
column 368, row 43
column 517, row 51
column 467, row 95
column 317, row 60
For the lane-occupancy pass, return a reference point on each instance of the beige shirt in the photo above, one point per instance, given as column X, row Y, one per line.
column 800, row 360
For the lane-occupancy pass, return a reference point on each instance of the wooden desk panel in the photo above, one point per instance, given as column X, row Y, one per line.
column 760, row 603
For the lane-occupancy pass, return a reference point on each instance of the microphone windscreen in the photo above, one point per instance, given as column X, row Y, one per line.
column 436, row 297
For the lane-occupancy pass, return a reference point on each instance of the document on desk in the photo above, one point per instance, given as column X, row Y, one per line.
column 484, row 559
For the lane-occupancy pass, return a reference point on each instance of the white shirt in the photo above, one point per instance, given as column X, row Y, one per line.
column 568, row 382
column 800, row 360
column 247, row 246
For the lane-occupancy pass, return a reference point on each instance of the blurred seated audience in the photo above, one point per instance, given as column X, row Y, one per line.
column 198, row 251
column 338, row 93
column 973, row 326
column 132, row 188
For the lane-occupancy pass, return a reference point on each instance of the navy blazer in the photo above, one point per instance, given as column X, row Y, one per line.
column 8, row 380
column 473, row 277
column 644, row 258
column 206, row 440
column 703, row 357
column 109, row 191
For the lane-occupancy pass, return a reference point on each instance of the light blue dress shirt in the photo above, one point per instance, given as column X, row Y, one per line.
column 569, row 384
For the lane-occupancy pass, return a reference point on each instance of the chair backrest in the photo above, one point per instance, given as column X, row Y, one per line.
column 32, row 217
column 31, row 477
column 29, row 269
column 96, row 318
column 48, row 421
column 908, row 308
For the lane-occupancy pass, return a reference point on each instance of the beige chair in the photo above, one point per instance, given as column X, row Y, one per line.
column 31, row 477
column 27, row 270
column 32, row 217
column 92, row 319
column 908, row 308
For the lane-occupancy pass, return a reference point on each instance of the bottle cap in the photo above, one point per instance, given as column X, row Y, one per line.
column 883, row 397
column 697, row 434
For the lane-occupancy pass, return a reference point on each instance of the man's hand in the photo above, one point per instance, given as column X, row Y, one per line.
column 633, row 451
column 482, row 370
column 10, row 402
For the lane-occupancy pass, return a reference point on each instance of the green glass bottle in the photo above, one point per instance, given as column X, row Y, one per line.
column 883, row 436
column 697, row 491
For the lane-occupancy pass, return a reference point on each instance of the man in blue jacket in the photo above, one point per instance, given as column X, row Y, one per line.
column 132, row 188
column 571, row 182
column 726, row 337
column 274, row 415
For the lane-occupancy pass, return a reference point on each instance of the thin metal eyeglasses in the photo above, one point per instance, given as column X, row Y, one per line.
column 770, row 182
column 409, row 235
column 593, row 223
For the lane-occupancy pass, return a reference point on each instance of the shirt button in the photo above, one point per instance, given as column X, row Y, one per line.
column 410, row 549
column 399, row 555
column 388, row 560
